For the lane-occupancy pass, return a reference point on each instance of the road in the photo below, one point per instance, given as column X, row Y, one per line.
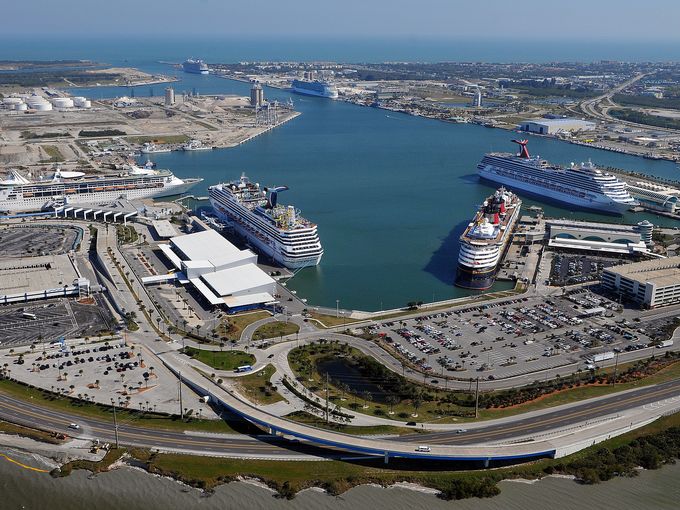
column 256, row 446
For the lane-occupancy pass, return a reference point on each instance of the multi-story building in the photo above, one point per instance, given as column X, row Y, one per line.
column 652, row 283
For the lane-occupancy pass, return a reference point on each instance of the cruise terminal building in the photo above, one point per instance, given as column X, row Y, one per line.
column 223, row 274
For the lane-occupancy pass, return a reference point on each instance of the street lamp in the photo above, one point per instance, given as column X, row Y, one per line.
column 337, row 308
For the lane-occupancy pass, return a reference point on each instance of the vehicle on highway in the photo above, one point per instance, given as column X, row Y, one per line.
column 29, row 315
column 74, row 426
column 243, row 368
column 423, row 449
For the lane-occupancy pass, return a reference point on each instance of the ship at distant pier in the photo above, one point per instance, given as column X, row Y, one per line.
column 195, row 66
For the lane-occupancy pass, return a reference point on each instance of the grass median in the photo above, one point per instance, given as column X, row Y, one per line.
column 101, row 412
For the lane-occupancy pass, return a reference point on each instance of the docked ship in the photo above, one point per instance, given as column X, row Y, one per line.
column 195, row 145
column 272, row 229
column 195, row 66
column 485, row 240
column 21, row 193
column 152, row 148
column 315, row 88
column 583, row 186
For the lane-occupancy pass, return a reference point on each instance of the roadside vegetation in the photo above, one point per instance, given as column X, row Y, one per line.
column 649, row 447
column 369, row 387
column 258, row 388
column 645, row 118
column 53, row 154
column 234, row 325
column 129, row 416
column 159, row 139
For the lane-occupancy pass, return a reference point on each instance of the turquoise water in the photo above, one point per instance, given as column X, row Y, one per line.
column 391, row 193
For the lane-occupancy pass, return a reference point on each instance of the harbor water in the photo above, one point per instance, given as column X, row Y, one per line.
column 391, row 193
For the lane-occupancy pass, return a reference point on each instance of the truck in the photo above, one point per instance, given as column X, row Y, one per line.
column 665, row 343
column 602, row 356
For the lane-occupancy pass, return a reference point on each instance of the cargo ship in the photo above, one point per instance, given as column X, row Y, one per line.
column 584, row 186
column 485, row 240
column 272, row 229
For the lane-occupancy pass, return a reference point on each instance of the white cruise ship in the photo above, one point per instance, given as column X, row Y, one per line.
column 583, row 186
column 274, row 230
column 485, row 239
column 20, row 193
column 315, row 88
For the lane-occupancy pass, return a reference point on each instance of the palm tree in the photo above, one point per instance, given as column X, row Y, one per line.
column 366, row 395
column 391, row 401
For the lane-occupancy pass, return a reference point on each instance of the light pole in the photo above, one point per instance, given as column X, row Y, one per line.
column 337, row 308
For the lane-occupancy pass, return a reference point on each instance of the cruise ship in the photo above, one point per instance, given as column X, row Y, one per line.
column 19, row 193
column 485, row 240
column 195, row 66
column 315, row 88
column 274, row 230
column 583, row 186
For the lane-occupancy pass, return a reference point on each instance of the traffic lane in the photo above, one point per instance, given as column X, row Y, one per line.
column 589, row 410
column 29, row 414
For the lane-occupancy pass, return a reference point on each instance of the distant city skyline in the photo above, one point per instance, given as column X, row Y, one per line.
column 529, row 20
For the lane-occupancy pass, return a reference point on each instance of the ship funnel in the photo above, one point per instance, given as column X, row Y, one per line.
column 273, row 195
column 523, row 151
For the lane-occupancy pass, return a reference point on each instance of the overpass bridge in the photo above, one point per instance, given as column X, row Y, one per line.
column 554, row 435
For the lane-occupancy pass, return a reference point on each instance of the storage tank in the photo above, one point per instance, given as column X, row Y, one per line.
column 87, row 104
column 62, row 102
column 78, row 101
column 42, row 106
column 22, row 107
column 11, row 101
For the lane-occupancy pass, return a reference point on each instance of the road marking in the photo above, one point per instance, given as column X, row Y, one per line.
column 30, row 468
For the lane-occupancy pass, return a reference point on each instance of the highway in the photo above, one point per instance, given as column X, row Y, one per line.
column 267, row 446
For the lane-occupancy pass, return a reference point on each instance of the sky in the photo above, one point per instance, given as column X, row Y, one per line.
column 624, row 20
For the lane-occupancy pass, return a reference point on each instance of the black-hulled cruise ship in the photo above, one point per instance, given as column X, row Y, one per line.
column 485, row 240
column 583, row 186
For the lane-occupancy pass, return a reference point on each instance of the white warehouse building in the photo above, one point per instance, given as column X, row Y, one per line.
column 555, row 126
column 218, row 270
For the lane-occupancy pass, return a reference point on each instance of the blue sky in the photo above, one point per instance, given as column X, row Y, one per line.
column 478, row 19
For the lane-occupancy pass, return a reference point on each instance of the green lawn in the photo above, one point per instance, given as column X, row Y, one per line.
column 256, row 386
column 221, row 360
column 235, row 324
column 275, row 330
column 38, row 435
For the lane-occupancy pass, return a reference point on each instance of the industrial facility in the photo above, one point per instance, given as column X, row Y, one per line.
column 555, row 126
column 218, row 270
column 652, row 283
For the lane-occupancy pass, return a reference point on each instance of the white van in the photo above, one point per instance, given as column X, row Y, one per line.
column 423, row 449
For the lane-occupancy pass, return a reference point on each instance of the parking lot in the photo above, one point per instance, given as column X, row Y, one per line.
column 571, row 269
column 515, row 337
column 47, row 320
column 102, row 371
column 25, row 241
